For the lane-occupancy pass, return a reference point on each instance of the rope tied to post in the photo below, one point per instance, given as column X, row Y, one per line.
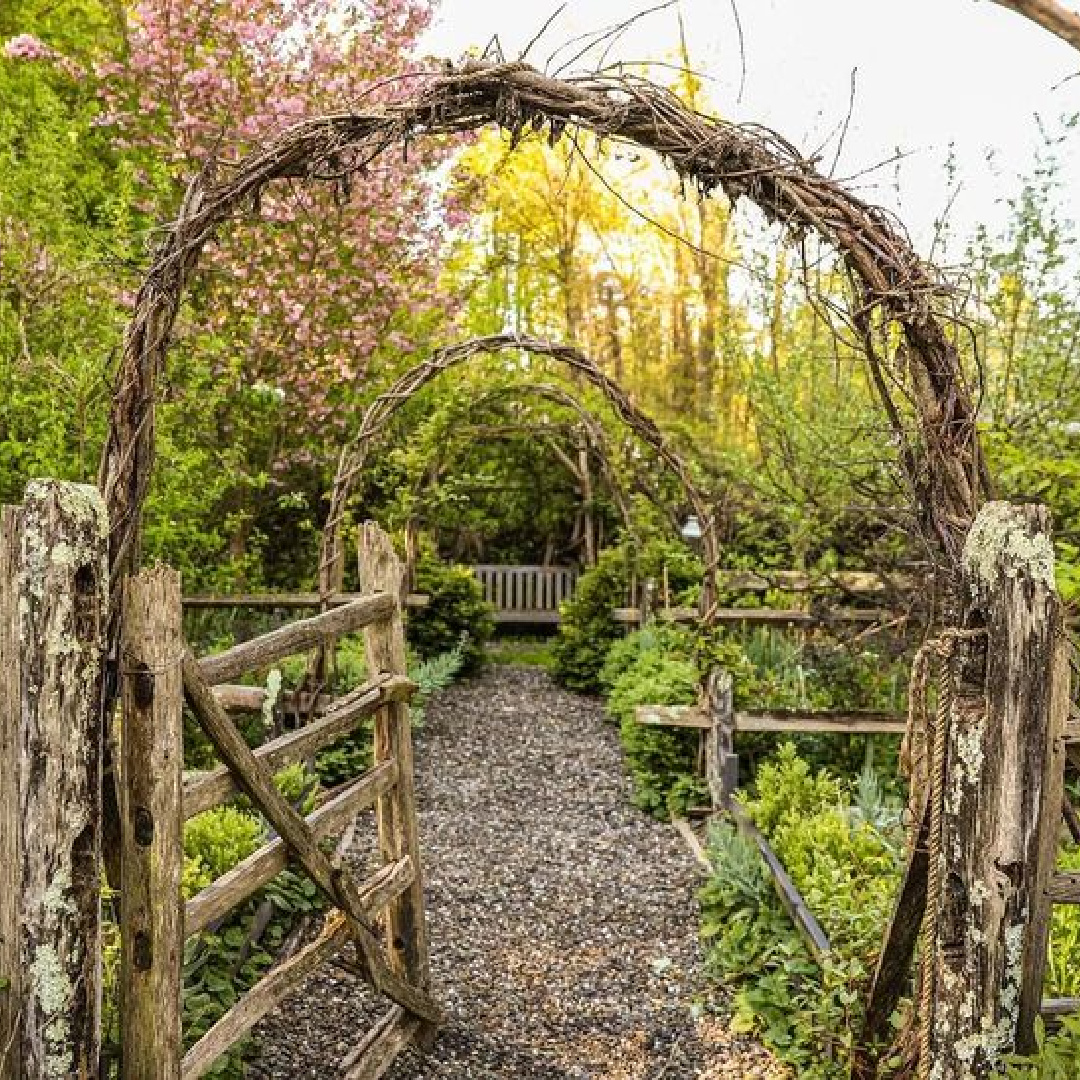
column 923, row 760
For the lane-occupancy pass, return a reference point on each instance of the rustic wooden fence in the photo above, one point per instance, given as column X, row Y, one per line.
column 718, row 721
column 990, row 808
column 533, row 595
column 53, row 606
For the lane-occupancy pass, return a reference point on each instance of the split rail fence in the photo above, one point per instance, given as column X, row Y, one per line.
column 990, row 809
column 53, row 609
column 534, row 595
column 718, row 722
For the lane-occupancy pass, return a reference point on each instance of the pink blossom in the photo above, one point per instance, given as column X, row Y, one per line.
column 27, row 47
column 305, row 291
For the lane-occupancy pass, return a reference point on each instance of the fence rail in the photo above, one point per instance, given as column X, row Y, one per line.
column 987, row 792
column 53, row 605
column 717, row 721
column 532, row 595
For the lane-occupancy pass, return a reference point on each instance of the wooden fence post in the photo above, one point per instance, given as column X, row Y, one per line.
column 407, row 945
column 64, row 598
column 152, row 932
column 10, row 815
column 999, row 808
column 721, row 761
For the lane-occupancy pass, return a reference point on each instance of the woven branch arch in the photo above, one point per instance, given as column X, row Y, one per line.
column 586, row 427
column 354, row 456
column 898, row 298
column 589, row 423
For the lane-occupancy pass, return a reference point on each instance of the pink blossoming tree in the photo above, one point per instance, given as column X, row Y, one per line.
column 322, row 283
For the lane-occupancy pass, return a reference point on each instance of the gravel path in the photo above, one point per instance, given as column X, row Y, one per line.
column 562, row 921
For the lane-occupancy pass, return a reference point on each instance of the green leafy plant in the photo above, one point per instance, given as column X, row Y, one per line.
column 587, row 628
column 456, row 616
column 434, row 675
column 224, row 961
column 346, row 758
column 1056, row 1057
column 846, row 870
column 214, row 842
column 653, row 667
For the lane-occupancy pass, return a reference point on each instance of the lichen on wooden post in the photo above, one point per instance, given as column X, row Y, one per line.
column 63, row 603
column 380, row 571
column 152, row 932
column 1000, row 803
column 721, row 761
column 10, row 815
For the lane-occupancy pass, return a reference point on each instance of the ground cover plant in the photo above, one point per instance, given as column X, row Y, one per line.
column 841, row 843
column 830, row 807
column 663, row 664
column 588, row 629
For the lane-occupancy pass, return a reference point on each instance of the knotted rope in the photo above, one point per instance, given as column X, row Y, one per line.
column 923, row 757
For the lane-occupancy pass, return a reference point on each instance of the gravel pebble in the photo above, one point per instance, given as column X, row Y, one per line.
column 562, row 920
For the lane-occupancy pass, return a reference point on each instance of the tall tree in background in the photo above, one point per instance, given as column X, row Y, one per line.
column 107, row 110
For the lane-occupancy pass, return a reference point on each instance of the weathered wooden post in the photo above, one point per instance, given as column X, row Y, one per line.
column 10, row 815
column 648, row 602
column 996, row 771
column 63, row 604
column 380, row 571
column 721, row 761
column 152, row 932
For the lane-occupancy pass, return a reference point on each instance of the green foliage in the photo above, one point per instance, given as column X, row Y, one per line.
column 846, row 870
column 348, row 757
column 455, row 616
column 656, row 679
column 220, row 965
column 434, row 675
column 214, row 842
column 652, row 640
column 653, row 667
column 588, row 628
column 1056, row 1057
column 661, row 665
column 1063, row 958
column 535, row 652
column 830, row 847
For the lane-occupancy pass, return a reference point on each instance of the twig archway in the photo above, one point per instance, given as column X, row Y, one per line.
column 586, row 430
column 588, row 424
column 899, row 301
column 354, row 455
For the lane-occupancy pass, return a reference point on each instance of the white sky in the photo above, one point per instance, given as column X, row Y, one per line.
column 929, row 75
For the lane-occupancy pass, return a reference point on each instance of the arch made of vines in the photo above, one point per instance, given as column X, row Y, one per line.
column 899, row 304
column 376, row 420
column 354, row 456
column 595, row 432
column 589, row 424
column 547, row 431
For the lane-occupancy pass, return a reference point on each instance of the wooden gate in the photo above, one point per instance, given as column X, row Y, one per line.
column 53, row 601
